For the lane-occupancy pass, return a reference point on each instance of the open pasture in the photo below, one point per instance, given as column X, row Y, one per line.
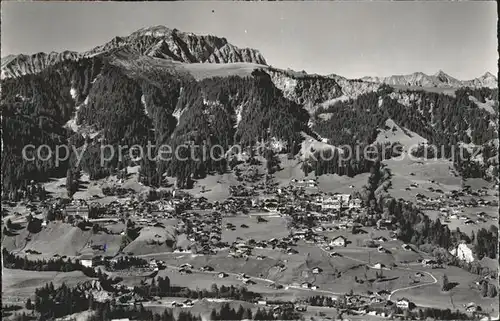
column 275, row 227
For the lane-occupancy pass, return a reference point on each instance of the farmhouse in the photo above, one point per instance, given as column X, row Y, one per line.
column 355, row 203
column 406, row 247
column 403, row 303
column 87, row 260
column 77, row 210
column 379, row 266
column 317, row 270
column 471, row 307
column 222, row 275
column 206, row 268
column 338, row 241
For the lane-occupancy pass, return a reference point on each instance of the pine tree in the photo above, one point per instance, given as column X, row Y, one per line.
column 29, row 305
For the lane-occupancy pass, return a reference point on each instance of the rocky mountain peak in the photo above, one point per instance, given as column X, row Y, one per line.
column 157, row 41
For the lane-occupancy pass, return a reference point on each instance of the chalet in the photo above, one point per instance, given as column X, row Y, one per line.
column 338, row 241
column 317, row 270
column 153, row 264
column 354, row 203
column 403, row 303
column 383, row 292
column 185, row 271
column 87, row 260
column 379, row 266
column 306, row 285
column 75, row 210
column 177, row 304
column 262, row 302
column 206, row 268
column 406, row 247
column 222, row 275
column 188, row 303
column 186, row 265
column 301, row 308
column 471, row 307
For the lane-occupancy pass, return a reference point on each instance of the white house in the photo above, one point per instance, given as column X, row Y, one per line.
column 338, row 241
column 403, row 303
column 355, row 203
column 86, row 261
column 317, row 270
column 406, row 247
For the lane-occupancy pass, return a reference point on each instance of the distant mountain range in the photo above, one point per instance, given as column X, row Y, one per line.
column 439, row 80
column 172, row 44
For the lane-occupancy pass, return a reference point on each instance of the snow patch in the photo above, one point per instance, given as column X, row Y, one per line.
column 488, row 105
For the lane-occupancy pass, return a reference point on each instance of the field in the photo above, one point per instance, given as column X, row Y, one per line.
column 275, row 227
column 18, row 285
column 464, row 293
column 471, row 213
column 204, row 70
column 417, row 171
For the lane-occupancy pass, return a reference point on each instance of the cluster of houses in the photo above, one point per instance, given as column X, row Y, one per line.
column 338, row 201
column 203, row 229
column 452, row 207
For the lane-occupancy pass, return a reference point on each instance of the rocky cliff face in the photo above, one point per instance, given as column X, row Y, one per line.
column 15, row 66
column 157, row 42
column 307, row 90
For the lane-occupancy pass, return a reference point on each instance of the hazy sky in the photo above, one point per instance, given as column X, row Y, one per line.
column 353, row 39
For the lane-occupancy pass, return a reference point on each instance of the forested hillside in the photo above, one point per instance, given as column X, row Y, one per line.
column 139, row 90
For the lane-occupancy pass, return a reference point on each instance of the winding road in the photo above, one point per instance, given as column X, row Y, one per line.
column 397, row 268
column 251, row 277
column 310, row 290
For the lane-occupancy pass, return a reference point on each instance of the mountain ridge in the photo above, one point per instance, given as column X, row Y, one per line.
column 157, row 42
column 440, row 80
column 187, row 47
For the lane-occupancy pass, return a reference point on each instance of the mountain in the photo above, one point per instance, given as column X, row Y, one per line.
column 487, row 80
column 165, row 86
column 156, row 42
column 439, row 80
